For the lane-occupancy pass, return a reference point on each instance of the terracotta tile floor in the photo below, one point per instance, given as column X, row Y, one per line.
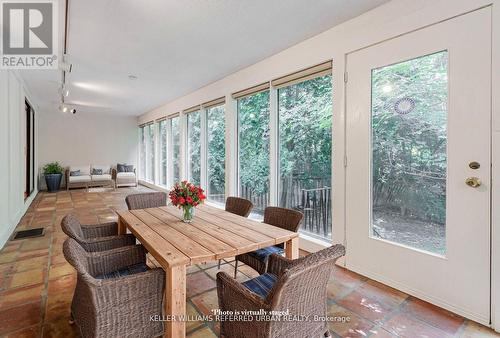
column 36, row 284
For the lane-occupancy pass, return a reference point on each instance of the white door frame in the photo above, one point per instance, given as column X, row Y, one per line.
column 339, row 160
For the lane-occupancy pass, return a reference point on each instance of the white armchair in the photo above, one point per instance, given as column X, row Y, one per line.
column 125, row 176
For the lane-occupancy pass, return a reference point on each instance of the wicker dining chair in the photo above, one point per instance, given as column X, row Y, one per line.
column 146, row 200
column 281, row 217
column 95, row 237
column 238, row 206
column 297, row 286
column 116, row 293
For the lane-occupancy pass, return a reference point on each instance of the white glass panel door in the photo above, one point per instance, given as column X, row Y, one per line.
column 418, row 117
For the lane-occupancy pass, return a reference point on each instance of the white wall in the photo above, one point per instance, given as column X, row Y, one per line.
column 12, row 160
column 85, row 139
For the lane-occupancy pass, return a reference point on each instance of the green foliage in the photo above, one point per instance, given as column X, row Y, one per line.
column 216, row 152
column 305, row 133
column 52, row 168
column 253, row 142
column 409, row 150
column 176, row 143
column 194, row 146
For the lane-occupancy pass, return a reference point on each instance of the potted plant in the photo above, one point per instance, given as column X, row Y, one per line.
column 53, row 174
column 186, row 196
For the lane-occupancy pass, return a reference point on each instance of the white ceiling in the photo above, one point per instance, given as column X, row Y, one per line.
column 174, row 46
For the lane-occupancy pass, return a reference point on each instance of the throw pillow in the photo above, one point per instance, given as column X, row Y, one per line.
column 96, row 171
column 129, row 168
column 120, row 168
column 75, row 173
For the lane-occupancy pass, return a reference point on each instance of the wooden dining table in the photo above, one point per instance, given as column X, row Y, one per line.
column 213, row 234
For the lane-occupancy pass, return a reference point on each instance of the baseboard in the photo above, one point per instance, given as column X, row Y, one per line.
column 419, row 294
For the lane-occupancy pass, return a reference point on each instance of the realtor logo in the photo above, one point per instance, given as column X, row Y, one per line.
column 29, row 34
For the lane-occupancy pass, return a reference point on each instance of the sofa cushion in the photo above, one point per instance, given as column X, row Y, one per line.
column 75, row 173
column 125, row 174
column 103, row 177
column 106, row 169
column 79, row 179
column 124, row 168
column 96, row 171
column 84, row 169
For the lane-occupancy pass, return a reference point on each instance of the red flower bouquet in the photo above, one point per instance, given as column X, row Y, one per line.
column 186, row 196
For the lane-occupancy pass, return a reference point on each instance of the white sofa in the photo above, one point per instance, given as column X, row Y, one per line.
column 87, row 176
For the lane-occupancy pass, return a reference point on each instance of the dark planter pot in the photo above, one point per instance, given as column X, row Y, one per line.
column 53, row 182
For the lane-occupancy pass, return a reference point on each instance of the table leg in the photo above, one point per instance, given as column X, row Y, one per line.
column 292, row 248
column 175, row 301
column 122, row 229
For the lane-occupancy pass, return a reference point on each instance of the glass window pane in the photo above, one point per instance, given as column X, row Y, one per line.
column 253, row 149
column 216, row 155
column 163, row 152
column 194, row 147
column 150, row 152
column 409, row 116
column 142, row 153
column 305, row 150
column 176, row 146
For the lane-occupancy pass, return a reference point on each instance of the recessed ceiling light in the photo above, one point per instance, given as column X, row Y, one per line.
column 132, row 77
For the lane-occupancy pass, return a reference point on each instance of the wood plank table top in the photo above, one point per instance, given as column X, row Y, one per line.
column 213, row 234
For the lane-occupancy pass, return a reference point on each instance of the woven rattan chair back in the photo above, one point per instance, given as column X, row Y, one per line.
column 71, row 226
column 239, row 206
column 284, row 218
column 146, row 200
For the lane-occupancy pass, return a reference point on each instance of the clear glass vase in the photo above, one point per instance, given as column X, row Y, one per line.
column 187, row 213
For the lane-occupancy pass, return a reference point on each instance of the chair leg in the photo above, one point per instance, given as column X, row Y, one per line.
column 235, row 268
column 218, row 265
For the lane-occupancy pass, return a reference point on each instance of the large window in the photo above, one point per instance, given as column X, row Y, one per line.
column 194, row 147
column 142, row 152
column 147, row 152
column 176, row 150
column 150, row 153
column 253, row 149
column 216, row 153
column 305, row 148
column 163, row 152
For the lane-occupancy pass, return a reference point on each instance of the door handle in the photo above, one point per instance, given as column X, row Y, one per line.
column 473, row 182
